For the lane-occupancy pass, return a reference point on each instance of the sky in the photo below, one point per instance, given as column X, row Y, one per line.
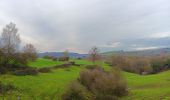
column 78, row 25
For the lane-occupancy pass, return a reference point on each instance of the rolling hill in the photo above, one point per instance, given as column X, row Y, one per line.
column 150, row 52
column 51, row 86
column 59, row 54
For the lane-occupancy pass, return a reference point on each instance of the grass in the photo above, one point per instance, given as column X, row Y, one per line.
column 40, row 63
column 148, row 87
column 44, row 85
column 87, row 62
column 82, row 62
column 48, row 86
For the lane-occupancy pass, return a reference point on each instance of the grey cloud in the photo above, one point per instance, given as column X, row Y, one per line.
column 80, row 24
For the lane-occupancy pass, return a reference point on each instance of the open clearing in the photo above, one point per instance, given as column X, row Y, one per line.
column 50, row 86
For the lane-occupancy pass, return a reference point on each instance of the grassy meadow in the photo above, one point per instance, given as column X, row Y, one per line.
column 40, row 63
column 50, row 86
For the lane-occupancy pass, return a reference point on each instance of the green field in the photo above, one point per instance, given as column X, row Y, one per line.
column 40, row 63
column 50, row 86
column 148, row 87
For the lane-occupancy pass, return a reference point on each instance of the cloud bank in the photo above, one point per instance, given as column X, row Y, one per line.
column 77, row 25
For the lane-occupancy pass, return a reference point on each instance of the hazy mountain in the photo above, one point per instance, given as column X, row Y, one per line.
column 59, row 54
column 149, row 52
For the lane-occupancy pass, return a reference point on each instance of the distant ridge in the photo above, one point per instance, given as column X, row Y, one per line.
column 149, row 52
column 59, row 54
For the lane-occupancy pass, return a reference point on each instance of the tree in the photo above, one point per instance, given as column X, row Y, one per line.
column 66, row 53
column 1, row 57
column 30, row 52
column 9, row 44
column 65, row 56
column 10, row 39
column 10, row 48
column 94, row 54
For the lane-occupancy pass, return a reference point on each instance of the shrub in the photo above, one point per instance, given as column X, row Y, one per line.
column 77, row 92
column 77, row 64
column 133, row 64
column 71, row 62
column 103, row 84
column 92, row 67
column 27, row 71
column 47, row 57
column 44, row 70
column 6, row 88
column 139, row 65
column 3, row 70
column 158, row 63
column 79, row 58
column 50, row 57
column 63, row 59
column 54, row 59
column 74, row 64
column 97, row 84
column 67, row 70
column 65, row 65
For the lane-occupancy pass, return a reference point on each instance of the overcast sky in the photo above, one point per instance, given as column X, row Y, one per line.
column 78, row 25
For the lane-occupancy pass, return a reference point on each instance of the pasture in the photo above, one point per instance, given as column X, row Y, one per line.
column 50, row 86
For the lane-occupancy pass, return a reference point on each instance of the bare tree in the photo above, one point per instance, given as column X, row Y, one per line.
column 9, row 43
column 66, row 53
column 10, row 39
column 65, row 56
column 30, row 52
column 10, row 49
column 1, row 57
column 94, row 54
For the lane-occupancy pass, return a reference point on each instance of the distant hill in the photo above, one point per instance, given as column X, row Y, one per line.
column 150, row 52
column 59, row 54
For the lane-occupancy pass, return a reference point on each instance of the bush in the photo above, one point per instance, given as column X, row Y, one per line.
column 77, row 92
column 27, row 71
column 63, row 59
column 47, row 57
column 98, row 85
column 139, row 65
column 6, row 88
column 133, row 64
column 50, row 57
column 67, row 64
column 54, row 59
column 44, row 70
column 77, row 64
column 158, row 63
column 72, row 62
column 102, row 83
column 3, row 70
column 92, row 67
column 79, row 58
